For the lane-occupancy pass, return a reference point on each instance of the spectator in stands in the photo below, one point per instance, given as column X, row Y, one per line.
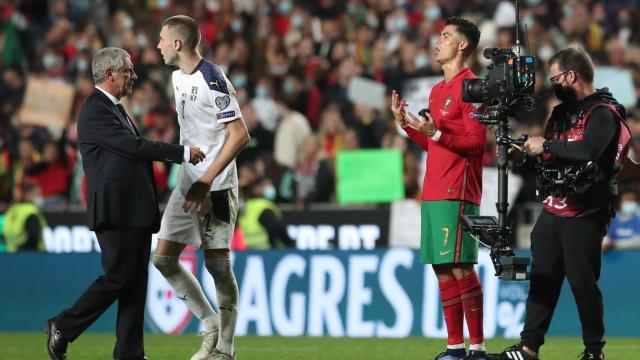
column 52, row 174
column 624, row 232
column 291, row 132
column 261, row 138
column 261, row 220
column 24, row 222
column 314, row 174
column 332, row 129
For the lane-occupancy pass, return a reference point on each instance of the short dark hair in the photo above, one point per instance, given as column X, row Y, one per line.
column 575, row 59
column 186, row 28
column 467, row 29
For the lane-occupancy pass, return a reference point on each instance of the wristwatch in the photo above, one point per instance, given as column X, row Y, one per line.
column 546, row 146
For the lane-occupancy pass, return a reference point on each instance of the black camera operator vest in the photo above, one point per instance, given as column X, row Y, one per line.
column 565, row 185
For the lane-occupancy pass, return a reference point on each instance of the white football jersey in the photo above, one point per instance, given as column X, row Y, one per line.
column 205, row 100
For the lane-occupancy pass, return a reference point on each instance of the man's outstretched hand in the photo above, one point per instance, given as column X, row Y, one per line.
column 195, row 155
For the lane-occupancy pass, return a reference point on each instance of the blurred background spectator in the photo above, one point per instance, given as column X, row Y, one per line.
column 260, row 218
column 624, row 232
column 24, row 222
column 291, row 62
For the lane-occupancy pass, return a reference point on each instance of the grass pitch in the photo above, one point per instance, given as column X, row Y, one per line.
column 94, row 346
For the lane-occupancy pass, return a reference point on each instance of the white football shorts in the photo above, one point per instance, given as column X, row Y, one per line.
column 211, row 228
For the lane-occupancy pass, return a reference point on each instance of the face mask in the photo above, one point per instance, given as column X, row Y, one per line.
column 269, row 193
column 38, row 201
column 533, row 2
column 400, row 24
column 239, row 80
column 565, row 93
column 49, row 61
column 629, row 207
column 127, row 23
column 545, row 53
column 568, row 11
column 82, row 65
column 372, row 21
column 262, row 92
column 285, row 8
column 288, row 87
column 297, row 21
column 138, row 110
column 279, row 70
column 142, row 40
column 527, row 21
column 433, row 13
column 351, row 8
column 263, row 33
column 236, row 25
column 421, row 61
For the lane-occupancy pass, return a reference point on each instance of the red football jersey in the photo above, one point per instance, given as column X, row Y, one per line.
column 454, row 162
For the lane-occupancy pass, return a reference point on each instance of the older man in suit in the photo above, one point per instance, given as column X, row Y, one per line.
column 122, row 208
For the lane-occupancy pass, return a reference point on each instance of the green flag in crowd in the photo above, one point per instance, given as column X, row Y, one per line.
column 12, row 50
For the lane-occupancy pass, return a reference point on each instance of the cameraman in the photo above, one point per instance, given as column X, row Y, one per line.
column 588, row 126
column 452, row 187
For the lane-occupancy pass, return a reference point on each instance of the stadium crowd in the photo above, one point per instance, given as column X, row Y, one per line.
column 291, row 63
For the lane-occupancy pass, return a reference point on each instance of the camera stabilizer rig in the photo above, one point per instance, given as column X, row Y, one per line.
column 509, row 82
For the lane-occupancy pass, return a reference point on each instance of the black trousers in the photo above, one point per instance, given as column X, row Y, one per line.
column 568, row 247
column 125, row 260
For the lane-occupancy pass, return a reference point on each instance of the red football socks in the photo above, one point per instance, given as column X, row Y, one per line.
column 471, row 296
column 453, row 313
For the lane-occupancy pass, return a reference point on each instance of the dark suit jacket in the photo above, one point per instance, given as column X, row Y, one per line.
column 121, row 190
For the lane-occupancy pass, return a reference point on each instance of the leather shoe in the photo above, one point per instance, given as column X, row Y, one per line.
column 56, row 343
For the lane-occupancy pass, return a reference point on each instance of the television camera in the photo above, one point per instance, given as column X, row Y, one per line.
column 510, row 82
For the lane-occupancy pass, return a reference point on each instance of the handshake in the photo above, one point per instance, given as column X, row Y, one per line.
column 195, row 155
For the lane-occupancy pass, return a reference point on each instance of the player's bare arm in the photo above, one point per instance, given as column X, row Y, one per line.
column 238, row 139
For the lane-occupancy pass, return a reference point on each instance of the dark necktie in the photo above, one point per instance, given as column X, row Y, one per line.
column 126, row 117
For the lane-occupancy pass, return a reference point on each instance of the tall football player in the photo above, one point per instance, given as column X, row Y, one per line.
column 202, row 210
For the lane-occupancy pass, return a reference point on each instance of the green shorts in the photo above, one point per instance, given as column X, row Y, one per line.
column 443, row 240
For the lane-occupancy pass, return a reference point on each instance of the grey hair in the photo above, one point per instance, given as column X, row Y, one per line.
column 108, row 58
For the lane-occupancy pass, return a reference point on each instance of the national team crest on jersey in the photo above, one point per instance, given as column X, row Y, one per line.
column 445, row 110
column 223, row 101
column 166, row 309
column 194, row 93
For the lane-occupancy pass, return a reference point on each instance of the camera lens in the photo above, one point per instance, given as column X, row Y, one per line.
column 473, row 90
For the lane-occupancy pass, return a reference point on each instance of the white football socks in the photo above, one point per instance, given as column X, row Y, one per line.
column 227, row 293
column 477, row 347
column 188, row 289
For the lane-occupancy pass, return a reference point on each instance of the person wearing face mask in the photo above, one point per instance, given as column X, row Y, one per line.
column 24, row 222
column 261, row 220
column 587, row 127
column 624, row 232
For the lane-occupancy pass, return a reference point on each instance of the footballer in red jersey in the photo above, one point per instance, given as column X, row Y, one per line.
column 455, row 143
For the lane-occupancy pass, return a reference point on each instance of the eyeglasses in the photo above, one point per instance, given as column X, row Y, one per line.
column 554, row 80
